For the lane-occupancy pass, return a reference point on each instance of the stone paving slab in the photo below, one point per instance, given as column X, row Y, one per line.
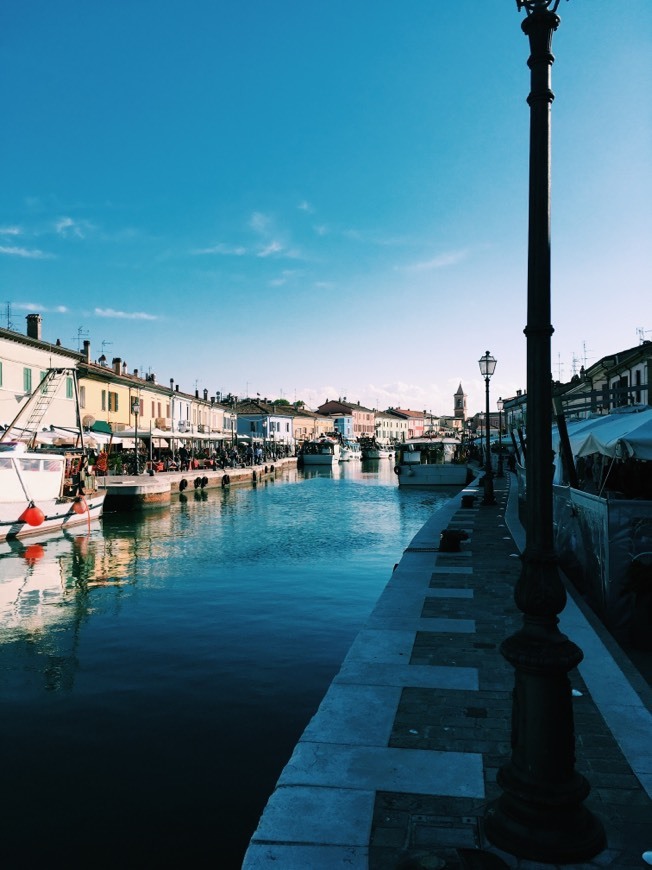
column 397, row 767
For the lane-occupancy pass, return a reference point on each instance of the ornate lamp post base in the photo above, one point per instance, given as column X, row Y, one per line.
column 540, row 815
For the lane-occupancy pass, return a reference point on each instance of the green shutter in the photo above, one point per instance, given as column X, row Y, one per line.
column 27, row 380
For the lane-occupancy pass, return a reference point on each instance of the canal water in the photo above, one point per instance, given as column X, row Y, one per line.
column 157, row 670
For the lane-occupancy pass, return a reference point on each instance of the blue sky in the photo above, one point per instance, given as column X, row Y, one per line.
column 319, row 199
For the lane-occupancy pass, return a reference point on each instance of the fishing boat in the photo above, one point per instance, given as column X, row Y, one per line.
column 430, row 462
column 371, row 449
column 320, row 451
column 43, row 488
column 349, row 450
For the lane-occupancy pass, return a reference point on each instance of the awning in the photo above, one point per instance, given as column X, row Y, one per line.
column 623, row 433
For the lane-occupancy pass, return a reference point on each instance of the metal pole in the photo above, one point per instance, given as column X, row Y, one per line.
column 540, row 815
column 500, row 472
column 489, row 498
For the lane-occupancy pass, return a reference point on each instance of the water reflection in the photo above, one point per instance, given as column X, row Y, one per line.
column 177, row 655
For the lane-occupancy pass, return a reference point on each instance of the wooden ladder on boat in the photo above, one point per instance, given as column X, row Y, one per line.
column 38, row 402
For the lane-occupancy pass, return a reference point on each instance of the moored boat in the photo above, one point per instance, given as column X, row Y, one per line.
column 349, row 450
column 431, row 462
column 371, row 449
column 320, row 451
column 42, row 491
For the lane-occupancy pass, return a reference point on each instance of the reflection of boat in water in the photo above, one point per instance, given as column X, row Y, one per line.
column 320, row 451
column 44, row 489
column 430, row 462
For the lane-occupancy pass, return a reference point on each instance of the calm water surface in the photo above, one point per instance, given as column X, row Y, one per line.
column 156, row 674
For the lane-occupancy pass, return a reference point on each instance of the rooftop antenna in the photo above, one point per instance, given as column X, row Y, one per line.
column 640, row 331
column 574, row 365
column 10, row 325
column 560, row 367
column 584, row 353
column 104, row 344
column 81, row 334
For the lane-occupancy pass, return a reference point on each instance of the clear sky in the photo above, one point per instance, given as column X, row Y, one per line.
column 315, row 199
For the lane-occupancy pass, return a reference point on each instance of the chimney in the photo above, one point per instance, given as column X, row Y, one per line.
column 196, row 394
column 117, row 363
column 124, row 368
column 205, row 395
column 152, row 378
column 135, row 373
column 177, row 388
column 87, row 350
column 171, row 383
column 34, row 326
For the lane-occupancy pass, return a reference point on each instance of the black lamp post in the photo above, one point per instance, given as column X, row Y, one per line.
column 135, row 410
column 487, row 367
column 500, row 405
column 540, row 814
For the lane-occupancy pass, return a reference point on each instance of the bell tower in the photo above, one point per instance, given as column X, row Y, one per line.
column 459, row 404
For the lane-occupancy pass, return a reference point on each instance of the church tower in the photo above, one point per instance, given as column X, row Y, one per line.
column 459, row 401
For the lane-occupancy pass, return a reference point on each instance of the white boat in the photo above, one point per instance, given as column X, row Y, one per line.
column 320, row 451
column 44, row 489
column 371, row 449
column 430, row 462
column 349, row 450
column 39, row 493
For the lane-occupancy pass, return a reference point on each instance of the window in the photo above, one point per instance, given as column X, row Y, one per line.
column 167, row 410
column 158, row 405
column 27, row 380
column 104, row 400
column 69, row 388
column 153, row 412
column 141, row 406
column 82, row 397
column 41, row 375
column 113, row 401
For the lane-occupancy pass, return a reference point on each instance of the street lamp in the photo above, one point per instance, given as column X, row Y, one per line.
column 487, row 367
column 135, row 409
column 500, row 405
column 540, row 814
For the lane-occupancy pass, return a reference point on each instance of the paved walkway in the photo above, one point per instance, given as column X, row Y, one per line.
column 395, row 769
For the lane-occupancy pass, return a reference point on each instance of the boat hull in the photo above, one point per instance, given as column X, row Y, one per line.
column 317, row 459
column 412, row 474
column 59, row 514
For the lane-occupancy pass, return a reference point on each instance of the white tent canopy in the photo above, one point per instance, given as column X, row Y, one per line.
column 625, row 433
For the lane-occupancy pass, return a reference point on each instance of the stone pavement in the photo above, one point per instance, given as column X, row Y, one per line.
column 396, row 767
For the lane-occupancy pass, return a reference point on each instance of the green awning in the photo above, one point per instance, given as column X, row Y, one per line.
column 101, row 426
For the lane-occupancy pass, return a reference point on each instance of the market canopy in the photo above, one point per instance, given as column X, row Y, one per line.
column 624, row 433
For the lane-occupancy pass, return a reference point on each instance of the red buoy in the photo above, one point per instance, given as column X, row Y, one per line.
column 79, row 506
column 32, row 515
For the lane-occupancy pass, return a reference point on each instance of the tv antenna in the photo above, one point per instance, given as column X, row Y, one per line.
column 640, row 331
column 104, row 344
column 81, row 334
column 8, row 309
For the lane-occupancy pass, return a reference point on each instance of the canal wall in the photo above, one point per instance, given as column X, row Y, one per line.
column 153, row 490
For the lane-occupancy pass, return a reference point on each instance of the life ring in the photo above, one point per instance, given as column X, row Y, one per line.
column 197, row 482
column 101, row 463
column 226, row 480
column 183, row 483
column 204, row 482
column 254, row 477
column 397, row 469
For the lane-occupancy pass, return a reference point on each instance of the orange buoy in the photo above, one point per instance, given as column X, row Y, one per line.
column 79, row 506
column 32, row 515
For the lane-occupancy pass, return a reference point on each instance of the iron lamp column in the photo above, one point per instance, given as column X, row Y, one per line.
column 487, row 365
column 540, row 814
column 500, row 405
